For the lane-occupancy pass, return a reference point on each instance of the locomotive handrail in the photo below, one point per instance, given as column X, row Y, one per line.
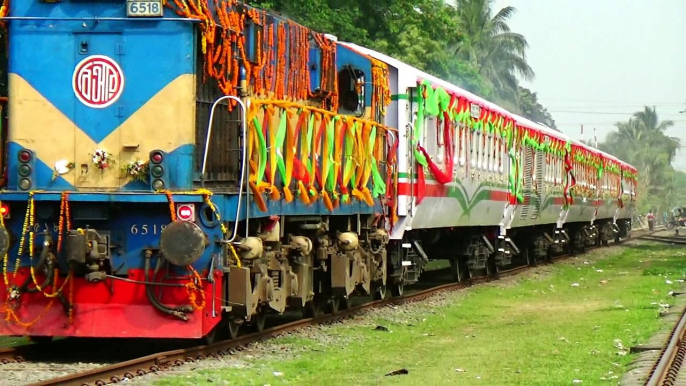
column 243, row 166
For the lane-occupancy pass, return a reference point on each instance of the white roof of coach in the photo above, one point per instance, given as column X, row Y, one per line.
column 544, row 129
column 411, row 81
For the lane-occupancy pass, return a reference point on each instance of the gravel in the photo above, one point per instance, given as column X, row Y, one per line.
column 29, row 372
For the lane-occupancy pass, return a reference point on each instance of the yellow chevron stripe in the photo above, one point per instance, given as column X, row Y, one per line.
column 165, row 122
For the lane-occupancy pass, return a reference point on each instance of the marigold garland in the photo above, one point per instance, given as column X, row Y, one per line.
column 224, row 38
column 192, row 286
column 27, row 227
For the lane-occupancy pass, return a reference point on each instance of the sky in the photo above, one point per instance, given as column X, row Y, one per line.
column 599, row 61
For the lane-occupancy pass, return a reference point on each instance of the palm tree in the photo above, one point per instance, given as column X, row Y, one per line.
column 642, row 142
column 651, row 125
column 648, row 117
column 491, row 47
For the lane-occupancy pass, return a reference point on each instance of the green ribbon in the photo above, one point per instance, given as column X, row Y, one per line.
column 310, row 133
column 280, row 138
column 330, row 138
column 263, row 149
column 379, row 186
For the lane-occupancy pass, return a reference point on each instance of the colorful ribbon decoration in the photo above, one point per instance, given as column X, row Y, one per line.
column 326, row 154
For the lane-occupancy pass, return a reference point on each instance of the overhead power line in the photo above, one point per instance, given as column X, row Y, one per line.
column 598, row 112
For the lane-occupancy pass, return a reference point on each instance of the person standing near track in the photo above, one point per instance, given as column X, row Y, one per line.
column 651, row 220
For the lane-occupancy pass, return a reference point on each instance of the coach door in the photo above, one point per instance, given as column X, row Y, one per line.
column 98, row 87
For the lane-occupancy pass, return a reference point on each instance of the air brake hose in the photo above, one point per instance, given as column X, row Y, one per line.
column 186, row 308
column 153, row 300
column 48, row 277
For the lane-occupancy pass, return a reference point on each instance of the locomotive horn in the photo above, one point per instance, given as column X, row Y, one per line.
column 182, row 243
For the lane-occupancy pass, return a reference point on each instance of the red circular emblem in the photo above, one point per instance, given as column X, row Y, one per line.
column 98, row 81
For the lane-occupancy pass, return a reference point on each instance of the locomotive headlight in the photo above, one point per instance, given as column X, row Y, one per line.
column 158, row 184
column 25, row 184
column 24, row 170
column 156, row 171
column 156, row 157
column 25, row 156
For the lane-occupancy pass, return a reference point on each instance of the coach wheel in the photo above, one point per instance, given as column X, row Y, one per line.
column 459, row 272
column 492, row 268
column 378, row 291
column 527, row 257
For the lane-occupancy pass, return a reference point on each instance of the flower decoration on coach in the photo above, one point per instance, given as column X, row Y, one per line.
column 61, row 167
column 102, row 159
column 137, row 170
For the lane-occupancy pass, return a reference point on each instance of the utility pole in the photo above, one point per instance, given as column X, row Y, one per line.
column 582, row 133
column 595, row 138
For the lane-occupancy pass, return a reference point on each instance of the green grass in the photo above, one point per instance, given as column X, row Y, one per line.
column 11, row 341
column 534, row 330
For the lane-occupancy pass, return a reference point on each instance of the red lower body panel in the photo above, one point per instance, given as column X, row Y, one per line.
column 110, row 309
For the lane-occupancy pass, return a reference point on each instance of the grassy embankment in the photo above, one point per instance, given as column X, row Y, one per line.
column 12, row 341
column 559, row 324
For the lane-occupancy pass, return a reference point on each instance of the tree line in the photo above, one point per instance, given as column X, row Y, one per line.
column 472, row 46
column 468, row 45
column 643, row 142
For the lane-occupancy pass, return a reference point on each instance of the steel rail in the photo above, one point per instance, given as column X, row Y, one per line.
column 154, row 363
column 128, row 370
column 664, row 239
column 666, row 369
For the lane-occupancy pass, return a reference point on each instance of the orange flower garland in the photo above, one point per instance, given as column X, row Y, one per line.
column 381, row 96
column 192, row 286
column 270, row 72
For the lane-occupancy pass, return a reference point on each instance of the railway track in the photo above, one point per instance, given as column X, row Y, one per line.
column 667, row 368
column 676, row 239
column 161, row 361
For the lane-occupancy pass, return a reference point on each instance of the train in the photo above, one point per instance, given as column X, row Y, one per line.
column 183, row 169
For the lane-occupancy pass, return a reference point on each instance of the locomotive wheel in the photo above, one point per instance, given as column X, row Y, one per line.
column 232, row 329
column 397, row 289
column 378, row 292
column 211, row 337
column 314, row 308
column 259, row 321
column 339, row 303
column 473, row 273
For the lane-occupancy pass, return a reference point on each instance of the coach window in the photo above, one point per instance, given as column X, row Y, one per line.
column 489, row 152
column 430, row 140
column 472, row 135
column 351, row 90
column 459, row 144
column 505, row 156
